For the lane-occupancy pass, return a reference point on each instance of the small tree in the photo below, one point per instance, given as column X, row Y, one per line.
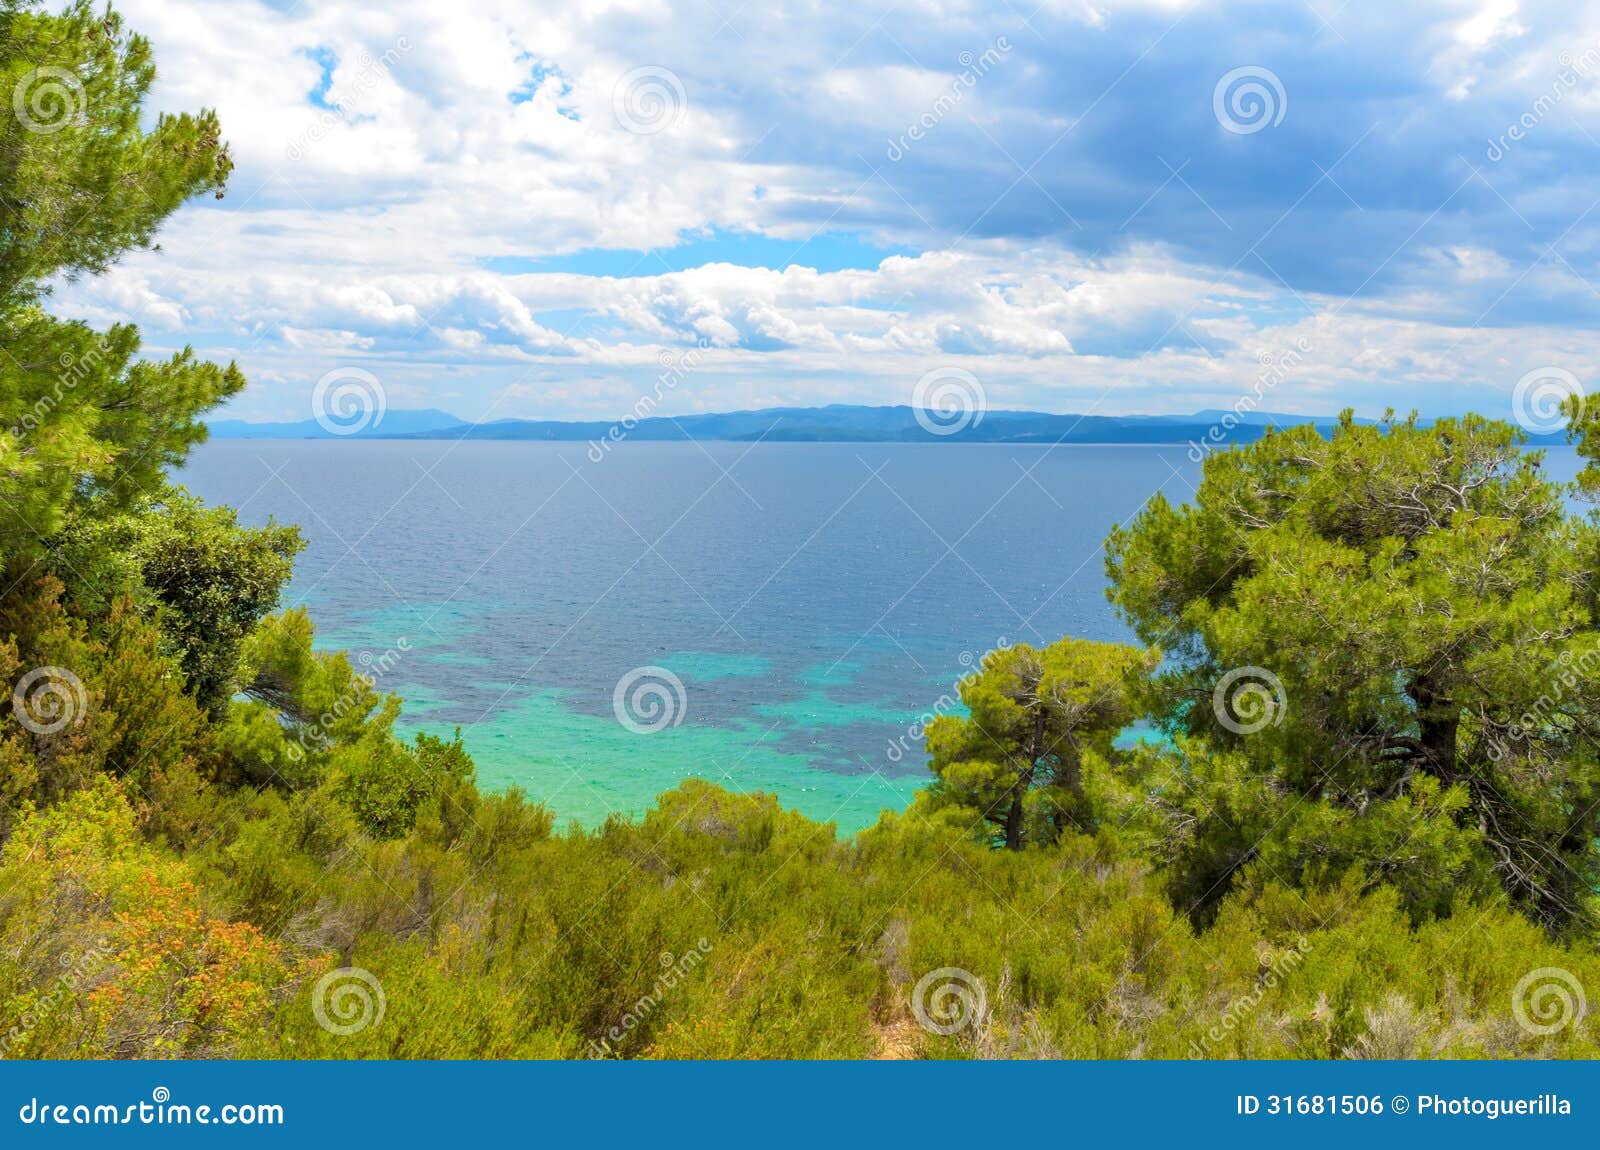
column 1036, row 717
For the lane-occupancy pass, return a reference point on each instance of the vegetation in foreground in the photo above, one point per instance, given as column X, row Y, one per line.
column 1369, row 831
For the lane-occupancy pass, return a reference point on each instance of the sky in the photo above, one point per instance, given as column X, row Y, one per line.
column 562, row 210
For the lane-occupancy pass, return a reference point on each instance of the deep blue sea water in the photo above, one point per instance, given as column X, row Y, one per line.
column 813, row 600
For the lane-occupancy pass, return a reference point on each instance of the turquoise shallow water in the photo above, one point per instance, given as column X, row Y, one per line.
column 587, row 766
column 780, row 616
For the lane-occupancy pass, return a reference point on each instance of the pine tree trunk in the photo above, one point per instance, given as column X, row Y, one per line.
column 1024, row 781
column 1438, row 724
column 1014, row 819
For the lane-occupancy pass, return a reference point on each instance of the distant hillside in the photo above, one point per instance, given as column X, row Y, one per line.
column 837, row 423
column 393, row 424
column 840, row 423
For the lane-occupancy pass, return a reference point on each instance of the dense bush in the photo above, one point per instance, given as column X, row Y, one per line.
column 719, row 926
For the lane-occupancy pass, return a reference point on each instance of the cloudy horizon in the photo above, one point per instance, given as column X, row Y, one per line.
column 523, row 211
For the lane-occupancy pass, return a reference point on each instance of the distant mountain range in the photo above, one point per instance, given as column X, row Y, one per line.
column 394, row 424
column 838, row 423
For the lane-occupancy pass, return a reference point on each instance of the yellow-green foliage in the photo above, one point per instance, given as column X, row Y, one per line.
column 719, row 926
column 111, row 949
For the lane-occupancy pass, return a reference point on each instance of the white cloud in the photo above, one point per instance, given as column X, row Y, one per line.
column 1082, row 233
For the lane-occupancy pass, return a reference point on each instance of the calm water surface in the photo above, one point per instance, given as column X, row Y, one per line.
column 812, row 599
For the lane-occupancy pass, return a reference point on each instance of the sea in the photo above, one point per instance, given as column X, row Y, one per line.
column 779, row 617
